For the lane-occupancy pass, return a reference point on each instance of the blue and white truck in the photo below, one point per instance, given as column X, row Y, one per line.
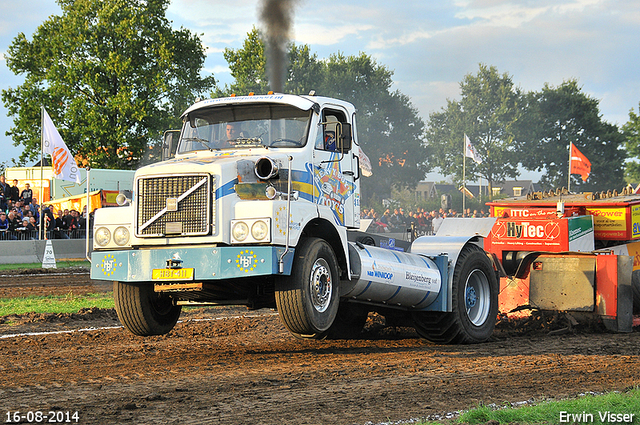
column 260, row 206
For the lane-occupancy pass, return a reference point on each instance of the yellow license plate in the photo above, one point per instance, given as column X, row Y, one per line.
column 172, row 274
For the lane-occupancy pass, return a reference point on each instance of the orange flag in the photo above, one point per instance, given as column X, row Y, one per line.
column 579, row 164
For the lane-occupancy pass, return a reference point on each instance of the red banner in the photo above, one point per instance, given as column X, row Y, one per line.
column 579, row 163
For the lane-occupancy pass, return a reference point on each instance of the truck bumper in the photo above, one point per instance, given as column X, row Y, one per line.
column 207, row 263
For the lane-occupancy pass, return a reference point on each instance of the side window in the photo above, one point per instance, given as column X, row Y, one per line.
column 326, row 138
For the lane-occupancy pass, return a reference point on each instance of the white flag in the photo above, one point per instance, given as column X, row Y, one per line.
column 365, row 163
column 64, row 166
column 470, row 151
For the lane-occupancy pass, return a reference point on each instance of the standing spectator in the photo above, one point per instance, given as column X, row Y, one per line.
column 437, row 222
column 14, row 223
column 24, row 230
column 27, row 194
column 25, row 210
column 4, row 194
column 4, row 226
column 60, row 219
column 60, row 229
column 395, row 221
column 385, row 219
column 33, row 227
column 14, row 192
column 421, row 222
column 429, row 223
column 82, row 219
column 403, row 218
column 35, row 207
column 48, row 223
column 71, row 223
column 17, row 207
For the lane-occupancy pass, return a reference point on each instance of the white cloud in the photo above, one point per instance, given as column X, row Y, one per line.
column 327, row 35
column 381, row 42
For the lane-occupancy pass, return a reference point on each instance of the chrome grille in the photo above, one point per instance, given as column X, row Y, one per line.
column 174, row 205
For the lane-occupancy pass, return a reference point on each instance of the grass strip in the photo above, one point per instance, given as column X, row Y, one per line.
column 592, row 409
column 59, row 264
column 68, row 303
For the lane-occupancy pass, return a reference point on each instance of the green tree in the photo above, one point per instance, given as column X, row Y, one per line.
column 389, row 127
column 558, row 116
column 631, row 132
column 112, row 74
column 248, row 67
column 487, row 113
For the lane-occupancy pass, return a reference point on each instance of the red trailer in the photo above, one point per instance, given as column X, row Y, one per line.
column 569, row 252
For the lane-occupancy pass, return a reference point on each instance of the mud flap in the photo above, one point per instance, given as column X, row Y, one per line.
column 614, row 293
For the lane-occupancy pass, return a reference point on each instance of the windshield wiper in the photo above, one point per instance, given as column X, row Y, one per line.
column 203, row 142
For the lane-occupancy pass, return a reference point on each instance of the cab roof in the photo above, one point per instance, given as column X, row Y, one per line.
column 301, row 102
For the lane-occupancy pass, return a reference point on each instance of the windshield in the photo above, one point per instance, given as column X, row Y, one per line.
column 244, row 126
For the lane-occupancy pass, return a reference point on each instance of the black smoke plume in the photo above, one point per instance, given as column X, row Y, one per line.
column 277, row 18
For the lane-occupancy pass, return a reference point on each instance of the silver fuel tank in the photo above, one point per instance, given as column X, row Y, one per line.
column 393, row 278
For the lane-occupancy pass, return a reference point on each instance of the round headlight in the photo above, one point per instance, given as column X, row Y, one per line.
column 121, row 236
column 121, row 199
column 259, row 230
column 271, row 192
column 240, row 231
column 102, row 236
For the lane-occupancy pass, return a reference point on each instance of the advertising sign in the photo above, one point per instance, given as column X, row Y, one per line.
column 609, row 222
column 549, row 235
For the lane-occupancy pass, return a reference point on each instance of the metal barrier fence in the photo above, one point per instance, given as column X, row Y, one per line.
column 34, row 235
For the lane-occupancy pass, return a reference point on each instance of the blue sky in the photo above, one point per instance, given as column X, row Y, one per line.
column 430, row 45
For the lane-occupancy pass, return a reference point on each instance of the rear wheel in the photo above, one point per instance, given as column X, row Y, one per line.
column 308, row 299
column 474, row 299
column 142, row 311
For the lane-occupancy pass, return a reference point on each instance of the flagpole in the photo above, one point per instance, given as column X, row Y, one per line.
column 42, row 219
column 87, row 218
column 569, row 180
column 464, row 171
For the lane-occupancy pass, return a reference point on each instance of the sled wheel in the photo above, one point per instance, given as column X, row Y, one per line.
column 142, row 311
column 474, row 301
column 308, row 299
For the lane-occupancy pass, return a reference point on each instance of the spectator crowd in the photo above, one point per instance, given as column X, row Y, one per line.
column 420, row 222
column 21, row 218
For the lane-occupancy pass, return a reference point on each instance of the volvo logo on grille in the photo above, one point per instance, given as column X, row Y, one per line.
column 172, row 204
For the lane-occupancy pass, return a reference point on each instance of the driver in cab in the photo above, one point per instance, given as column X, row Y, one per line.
column 234, row 132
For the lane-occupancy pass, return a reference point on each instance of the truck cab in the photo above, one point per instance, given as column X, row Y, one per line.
column 255, row 208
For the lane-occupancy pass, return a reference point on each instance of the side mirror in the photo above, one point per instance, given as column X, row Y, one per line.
column 170, row 144
column 344, row 137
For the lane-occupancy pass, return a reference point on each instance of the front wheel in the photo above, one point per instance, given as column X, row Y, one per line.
column 474, row 300
column 142, row 311
column 308, row 299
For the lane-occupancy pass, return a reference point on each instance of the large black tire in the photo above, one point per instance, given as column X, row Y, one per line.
column 142, row 311
column 308, row 299
column 474, row 302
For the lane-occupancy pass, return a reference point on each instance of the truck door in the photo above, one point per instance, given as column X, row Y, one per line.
column 335, row 175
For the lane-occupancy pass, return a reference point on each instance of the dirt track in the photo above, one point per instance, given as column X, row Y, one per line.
column 237, row 370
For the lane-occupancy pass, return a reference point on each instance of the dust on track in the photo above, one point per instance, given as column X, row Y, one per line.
column 220, row 366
